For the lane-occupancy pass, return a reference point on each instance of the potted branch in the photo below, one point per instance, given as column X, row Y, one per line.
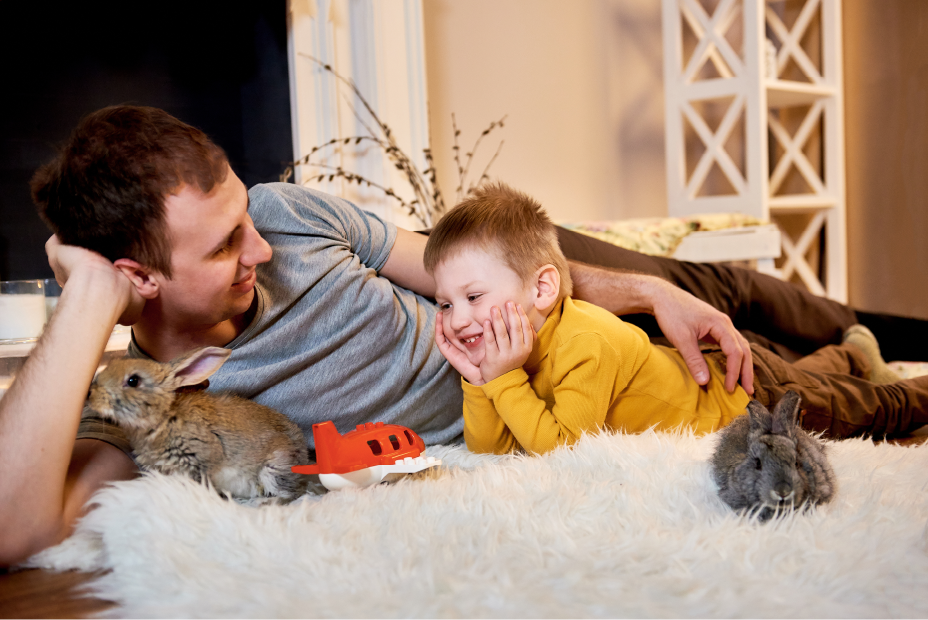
column 427, row 204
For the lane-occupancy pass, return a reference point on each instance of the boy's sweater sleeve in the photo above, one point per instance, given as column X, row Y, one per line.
column 585, row 376
column 484, row 430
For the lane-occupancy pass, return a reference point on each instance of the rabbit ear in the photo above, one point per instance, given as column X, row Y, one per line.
column 759, row 416
column 784, row 414
column 196, row 366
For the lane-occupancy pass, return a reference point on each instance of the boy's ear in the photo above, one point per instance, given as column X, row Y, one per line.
column 547, row 286
column 140, row 276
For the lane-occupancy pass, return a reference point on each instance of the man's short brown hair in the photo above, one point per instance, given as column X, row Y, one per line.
column 506, row 222
column 105, row 191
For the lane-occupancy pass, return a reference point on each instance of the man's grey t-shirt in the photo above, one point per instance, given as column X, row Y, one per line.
column 331, row 339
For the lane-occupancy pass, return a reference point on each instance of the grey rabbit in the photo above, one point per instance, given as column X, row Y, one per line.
column 244, row 449
column 766, row 463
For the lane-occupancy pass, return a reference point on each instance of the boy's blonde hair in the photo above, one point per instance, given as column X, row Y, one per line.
column 506, row 222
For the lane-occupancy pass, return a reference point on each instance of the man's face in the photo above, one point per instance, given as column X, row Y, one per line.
column 468, row 285
column 215, row 249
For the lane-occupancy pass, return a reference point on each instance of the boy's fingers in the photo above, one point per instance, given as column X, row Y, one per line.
column 518, row 325
column 443, row 343
column 528, row 330
column 489, row 336
column 499, row 325
column 515, row 323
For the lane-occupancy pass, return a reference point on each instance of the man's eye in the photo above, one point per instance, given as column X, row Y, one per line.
column 230, row 243
column 226, row 247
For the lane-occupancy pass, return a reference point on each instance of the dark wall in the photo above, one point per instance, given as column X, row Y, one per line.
column 221, row 66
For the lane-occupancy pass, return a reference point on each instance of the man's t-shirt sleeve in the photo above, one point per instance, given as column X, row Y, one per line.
column 286, row 209
column 95, row 427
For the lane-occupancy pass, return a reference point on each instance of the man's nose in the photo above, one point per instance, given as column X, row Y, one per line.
column 256, row 249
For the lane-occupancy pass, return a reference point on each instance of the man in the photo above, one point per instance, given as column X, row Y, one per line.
column 330, row 320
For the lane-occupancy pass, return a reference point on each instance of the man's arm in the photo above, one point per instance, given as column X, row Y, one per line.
column 404, row 265
column 46, row 476
column 684, row 319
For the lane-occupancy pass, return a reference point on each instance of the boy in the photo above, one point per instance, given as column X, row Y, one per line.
column 540, row 368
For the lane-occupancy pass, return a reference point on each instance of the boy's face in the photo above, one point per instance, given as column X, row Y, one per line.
column 215, row 249
column 468, row 285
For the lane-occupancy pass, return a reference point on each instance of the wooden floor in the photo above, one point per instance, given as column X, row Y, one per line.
column 46, row 594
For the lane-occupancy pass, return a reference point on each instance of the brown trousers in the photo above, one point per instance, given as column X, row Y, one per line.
column 779, row 316
column 794, row 324
column 836, row 398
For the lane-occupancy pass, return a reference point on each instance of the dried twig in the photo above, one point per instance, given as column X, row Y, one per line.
column 470, row 157
column 428, row 204
column 456, row 149
column 483, row 175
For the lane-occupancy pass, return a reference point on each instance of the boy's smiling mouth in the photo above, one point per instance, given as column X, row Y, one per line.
column 471, row 341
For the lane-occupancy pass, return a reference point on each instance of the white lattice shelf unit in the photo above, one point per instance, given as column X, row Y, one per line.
column 705, row 72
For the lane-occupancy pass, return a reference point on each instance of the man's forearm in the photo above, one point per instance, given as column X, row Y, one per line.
column 40, row 413
column 619, row 292
column 683, row 319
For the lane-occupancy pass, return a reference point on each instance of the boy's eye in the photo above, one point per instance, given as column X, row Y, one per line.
column 473, row 298
column 444, row 307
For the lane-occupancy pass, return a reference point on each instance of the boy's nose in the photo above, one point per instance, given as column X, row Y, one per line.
column 459, row 320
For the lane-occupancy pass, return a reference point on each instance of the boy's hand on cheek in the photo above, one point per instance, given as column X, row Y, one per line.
column 455, row 357
column 506, row 349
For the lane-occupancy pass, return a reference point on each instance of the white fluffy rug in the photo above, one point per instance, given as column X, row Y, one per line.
column 622, row 525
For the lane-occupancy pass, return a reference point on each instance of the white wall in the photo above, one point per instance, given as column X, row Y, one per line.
column 580, row 81
column 636, row 108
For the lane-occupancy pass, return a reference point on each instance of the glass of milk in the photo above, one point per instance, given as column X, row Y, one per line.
column 22, row 309
column 52, row 295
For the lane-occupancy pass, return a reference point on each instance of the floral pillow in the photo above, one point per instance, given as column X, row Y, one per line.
column 908, row 370
column 658, row 236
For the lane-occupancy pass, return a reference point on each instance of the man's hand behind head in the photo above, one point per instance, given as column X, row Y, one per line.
column 68, row 261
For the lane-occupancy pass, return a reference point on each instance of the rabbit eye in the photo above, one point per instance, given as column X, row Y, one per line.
column 133, row 381
column 758, row 464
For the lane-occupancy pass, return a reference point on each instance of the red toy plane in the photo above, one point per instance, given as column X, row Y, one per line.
column 371, row 453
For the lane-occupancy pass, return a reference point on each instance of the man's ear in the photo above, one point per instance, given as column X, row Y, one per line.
column 547, row 286
column 140, row 276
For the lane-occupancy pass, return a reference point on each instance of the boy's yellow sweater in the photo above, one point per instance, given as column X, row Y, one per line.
column 590, row 370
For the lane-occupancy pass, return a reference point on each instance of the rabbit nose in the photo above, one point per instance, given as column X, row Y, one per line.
column 782, row 492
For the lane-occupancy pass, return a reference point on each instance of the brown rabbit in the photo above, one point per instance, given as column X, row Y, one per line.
column 244, row 449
